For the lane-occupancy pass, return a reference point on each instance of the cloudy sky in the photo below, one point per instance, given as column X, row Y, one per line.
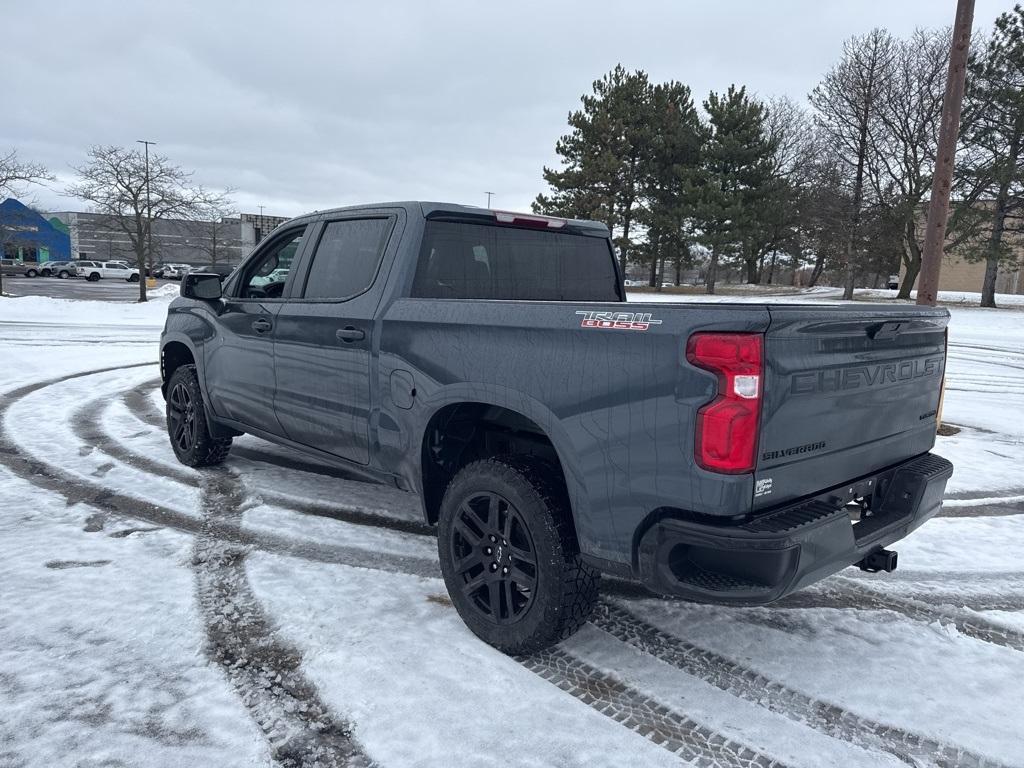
column 301, row 106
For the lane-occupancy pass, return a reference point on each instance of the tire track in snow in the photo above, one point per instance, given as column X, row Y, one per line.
column 642, row 714
column 745, row 683
column 52, row 477
column 264, row 670
column 85, row 423
column 854, row 594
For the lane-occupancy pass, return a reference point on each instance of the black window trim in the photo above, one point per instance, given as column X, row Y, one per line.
column 310, row 257
column 259, row 252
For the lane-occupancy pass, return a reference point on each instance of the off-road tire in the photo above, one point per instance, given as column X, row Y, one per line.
column 199, row 448
column 565, row 589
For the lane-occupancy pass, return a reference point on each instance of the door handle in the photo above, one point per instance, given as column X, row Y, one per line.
column 349, row 333
column 262, row 325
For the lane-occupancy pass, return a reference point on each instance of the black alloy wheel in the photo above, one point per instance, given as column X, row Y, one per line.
column 187, row 426
column 509, row 555
column 494, row 557
column 181, row 418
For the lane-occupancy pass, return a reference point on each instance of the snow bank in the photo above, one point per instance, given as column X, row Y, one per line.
column 39, row 310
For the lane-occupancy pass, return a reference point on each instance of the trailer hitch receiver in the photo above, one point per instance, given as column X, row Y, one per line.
column 879, row 560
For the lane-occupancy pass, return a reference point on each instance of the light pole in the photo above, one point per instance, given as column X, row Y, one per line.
column 489, row 196
column 149, row 226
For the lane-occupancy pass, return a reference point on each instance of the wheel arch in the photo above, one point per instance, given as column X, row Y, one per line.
column 463, row 428
column 174, row 353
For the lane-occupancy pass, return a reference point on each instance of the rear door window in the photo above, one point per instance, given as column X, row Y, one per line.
column 477, row 261
column 346, row 258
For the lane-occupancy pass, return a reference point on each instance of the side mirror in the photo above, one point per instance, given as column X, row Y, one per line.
column 204, row 286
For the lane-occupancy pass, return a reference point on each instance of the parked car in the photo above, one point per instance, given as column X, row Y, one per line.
column 95, row 270
column 61, row 269
column 13, row 267
column 489, row 362
column 893, row 282
column 173, row 271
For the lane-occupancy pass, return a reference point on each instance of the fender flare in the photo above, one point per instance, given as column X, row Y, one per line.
column 527, row 406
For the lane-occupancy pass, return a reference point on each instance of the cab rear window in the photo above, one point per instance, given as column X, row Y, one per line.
column 479, row 261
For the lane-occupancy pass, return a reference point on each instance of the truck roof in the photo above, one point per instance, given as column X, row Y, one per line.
column 437, row 210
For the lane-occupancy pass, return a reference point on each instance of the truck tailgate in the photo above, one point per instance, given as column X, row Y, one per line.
column 848, row 390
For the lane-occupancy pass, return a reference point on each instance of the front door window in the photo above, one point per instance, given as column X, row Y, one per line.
column 266, row 276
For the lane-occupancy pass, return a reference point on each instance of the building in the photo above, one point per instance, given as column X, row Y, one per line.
column 255, row 227
column 960, row 274
column 176, row 241
column 28, row 236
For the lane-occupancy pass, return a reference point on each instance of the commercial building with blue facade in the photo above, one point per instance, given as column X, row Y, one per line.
column 27, row 236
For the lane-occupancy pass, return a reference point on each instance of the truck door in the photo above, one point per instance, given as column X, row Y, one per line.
column 322, row 342
column 240, row 357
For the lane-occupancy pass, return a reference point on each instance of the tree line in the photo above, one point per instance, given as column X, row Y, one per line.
column 835, row 187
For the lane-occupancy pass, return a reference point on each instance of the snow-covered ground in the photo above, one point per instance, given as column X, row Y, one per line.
column 277, row 612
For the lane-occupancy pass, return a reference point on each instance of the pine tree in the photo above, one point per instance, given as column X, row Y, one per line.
column 672, row 174
column 603, row 157
column 736, row 169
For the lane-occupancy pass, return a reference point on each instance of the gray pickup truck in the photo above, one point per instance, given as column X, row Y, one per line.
column 489, row 362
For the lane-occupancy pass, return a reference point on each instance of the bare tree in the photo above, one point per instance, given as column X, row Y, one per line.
column 13, row 174
column 846, row 104
column 218, row 220
column 114, row 182
column 909, row 109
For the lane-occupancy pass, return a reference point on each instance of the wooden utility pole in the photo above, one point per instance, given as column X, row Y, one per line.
column 942, row 181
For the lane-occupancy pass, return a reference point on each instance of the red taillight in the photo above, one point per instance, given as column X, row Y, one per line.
column 727, row 426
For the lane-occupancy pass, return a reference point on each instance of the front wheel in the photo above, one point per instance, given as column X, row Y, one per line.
column 133, row 278
column 186, row 422
column 509, row 555
column 63, row 274
column 32, row 273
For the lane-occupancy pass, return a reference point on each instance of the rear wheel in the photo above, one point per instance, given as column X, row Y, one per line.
column 186, row 422
column 509, row 555
column 93, row 277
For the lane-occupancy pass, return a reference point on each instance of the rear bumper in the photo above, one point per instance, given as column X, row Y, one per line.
column 787, row 548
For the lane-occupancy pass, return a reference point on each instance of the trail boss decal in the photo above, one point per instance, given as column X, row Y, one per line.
column 618, row 321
